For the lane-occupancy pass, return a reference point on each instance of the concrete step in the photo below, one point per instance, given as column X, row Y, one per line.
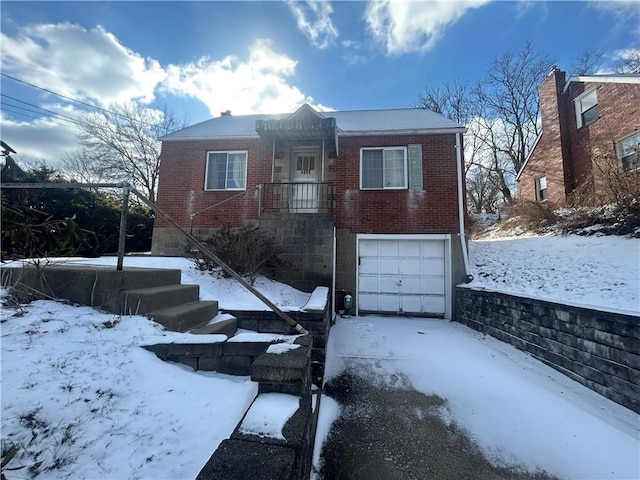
column 288, row 372
column 181, row 318
column 141, row 301
column 227, row 327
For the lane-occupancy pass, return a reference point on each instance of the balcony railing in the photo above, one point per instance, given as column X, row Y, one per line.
column 298, row 197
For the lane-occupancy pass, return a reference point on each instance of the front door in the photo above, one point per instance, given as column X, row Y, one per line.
column 305, row 178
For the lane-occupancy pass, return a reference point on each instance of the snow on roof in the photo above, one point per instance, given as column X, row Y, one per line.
column 405, row 120
column 608, row 78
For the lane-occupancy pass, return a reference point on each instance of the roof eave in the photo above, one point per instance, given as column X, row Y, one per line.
column 428, row 131
column 600, row 79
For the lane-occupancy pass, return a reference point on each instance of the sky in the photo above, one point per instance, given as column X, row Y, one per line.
column 201, row 58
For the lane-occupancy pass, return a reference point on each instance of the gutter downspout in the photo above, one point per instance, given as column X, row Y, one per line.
column 463, row 240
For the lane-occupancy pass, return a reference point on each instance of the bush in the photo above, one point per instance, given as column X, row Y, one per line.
column 248, row 252
column 532, row 216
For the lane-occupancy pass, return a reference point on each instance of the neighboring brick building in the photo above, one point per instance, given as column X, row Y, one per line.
column 363, row 200
column 585, row 119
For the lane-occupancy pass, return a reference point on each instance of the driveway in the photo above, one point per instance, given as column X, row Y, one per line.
column 431, row 399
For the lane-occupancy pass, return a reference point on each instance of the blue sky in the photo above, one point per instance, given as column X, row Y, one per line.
column 200, row 58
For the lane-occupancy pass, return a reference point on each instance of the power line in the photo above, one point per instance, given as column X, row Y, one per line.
column 51, row 119
column 61, row 96
column 4, row 108
column 40, row 108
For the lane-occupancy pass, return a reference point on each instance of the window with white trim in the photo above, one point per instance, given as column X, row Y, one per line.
column 586, row 107
column 629, row 152
column 382, row 168
column 541, row 188
column 226, row 171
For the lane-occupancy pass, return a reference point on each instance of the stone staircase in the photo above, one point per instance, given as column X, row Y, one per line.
column 154, row 292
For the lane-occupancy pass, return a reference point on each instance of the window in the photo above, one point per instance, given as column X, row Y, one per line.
column 586, row 108
column 226, row 171
column 629, row 152
column 541, row 188
column 383, row 168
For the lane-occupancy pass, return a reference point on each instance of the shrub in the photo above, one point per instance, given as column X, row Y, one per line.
column 249, row 252
column 532, row 216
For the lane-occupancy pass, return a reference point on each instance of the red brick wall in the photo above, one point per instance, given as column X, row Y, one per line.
column 568, row 164
column 618, row 116
column 181, row 187
column 547, row 158
column 431, row 210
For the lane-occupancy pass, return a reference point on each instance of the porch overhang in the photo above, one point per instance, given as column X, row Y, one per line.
column 300, row 130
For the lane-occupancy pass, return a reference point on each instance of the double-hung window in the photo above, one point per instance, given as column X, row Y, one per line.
column 629, row 152
column 226, row 171
column 382, row 168
column 586, row 107
column 541, row 188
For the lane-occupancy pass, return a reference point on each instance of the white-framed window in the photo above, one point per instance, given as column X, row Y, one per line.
column 629, row 152
column 226, row 171
column 541, row 188
column 586, row 107
column 383, row 167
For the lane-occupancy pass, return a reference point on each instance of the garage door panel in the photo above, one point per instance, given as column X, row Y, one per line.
column 433, row 304
column 369, row 284
column 410, row 266
column 368, row 266
column 368, row 248
column 411, row 304
column 410, row 249
column 432, row 286
column 389, row 284
column 388, row 248
column 388, row 266
column 411, row 285
column 432, row 266
column 368, row 302
column 388, row 303
column 430, row 248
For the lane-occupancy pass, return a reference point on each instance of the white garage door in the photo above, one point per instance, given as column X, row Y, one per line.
column 402, row 276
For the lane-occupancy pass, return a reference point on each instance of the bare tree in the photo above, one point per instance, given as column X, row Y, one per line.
column 587, row 62
column 501, row 114
column 122, row 144
column 629, row 61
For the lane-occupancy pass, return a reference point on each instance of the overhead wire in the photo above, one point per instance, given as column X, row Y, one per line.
column 71, row 119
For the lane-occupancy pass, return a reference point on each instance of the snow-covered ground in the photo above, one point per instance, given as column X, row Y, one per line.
column 599, row 271
column 81, row 396
column 517, row 409
column 83, row 400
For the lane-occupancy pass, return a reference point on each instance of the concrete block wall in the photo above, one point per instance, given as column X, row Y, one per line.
column 600, row 350
column 307, row 244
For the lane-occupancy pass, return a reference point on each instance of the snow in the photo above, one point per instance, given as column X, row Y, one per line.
column 269, row 414
column 318, row 300
column 226, row 291
column 595, row 272
column 80, row 395
column 279, row 348
column 516, row 408
column 79, row 392
column 249, row 336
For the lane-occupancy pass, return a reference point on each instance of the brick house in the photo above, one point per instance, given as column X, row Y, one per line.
column 366, row 201
column 590, row 125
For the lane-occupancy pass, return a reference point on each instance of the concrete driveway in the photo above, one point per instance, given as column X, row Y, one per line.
column 431, row 399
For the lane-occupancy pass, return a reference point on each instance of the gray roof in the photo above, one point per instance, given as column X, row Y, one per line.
column 403, row 120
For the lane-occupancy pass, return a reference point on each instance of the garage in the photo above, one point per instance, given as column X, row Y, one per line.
column 404, row 274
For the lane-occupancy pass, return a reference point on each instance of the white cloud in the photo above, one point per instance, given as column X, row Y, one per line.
column 406, row 26
column 314, row 20
column 255, row 85
column 79, row 63
column 43, row 139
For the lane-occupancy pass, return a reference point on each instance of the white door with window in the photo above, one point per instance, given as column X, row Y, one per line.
column 306, row 166
column 403, row 274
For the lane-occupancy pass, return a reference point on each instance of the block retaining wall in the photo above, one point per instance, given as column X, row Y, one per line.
column 598, row 349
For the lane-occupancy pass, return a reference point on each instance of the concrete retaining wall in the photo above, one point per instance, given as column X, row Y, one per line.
column 599, row 349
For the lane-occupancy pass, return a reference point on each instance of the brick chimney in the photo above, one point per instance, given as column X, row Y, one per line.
column 554, row 144
column 226, row 113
